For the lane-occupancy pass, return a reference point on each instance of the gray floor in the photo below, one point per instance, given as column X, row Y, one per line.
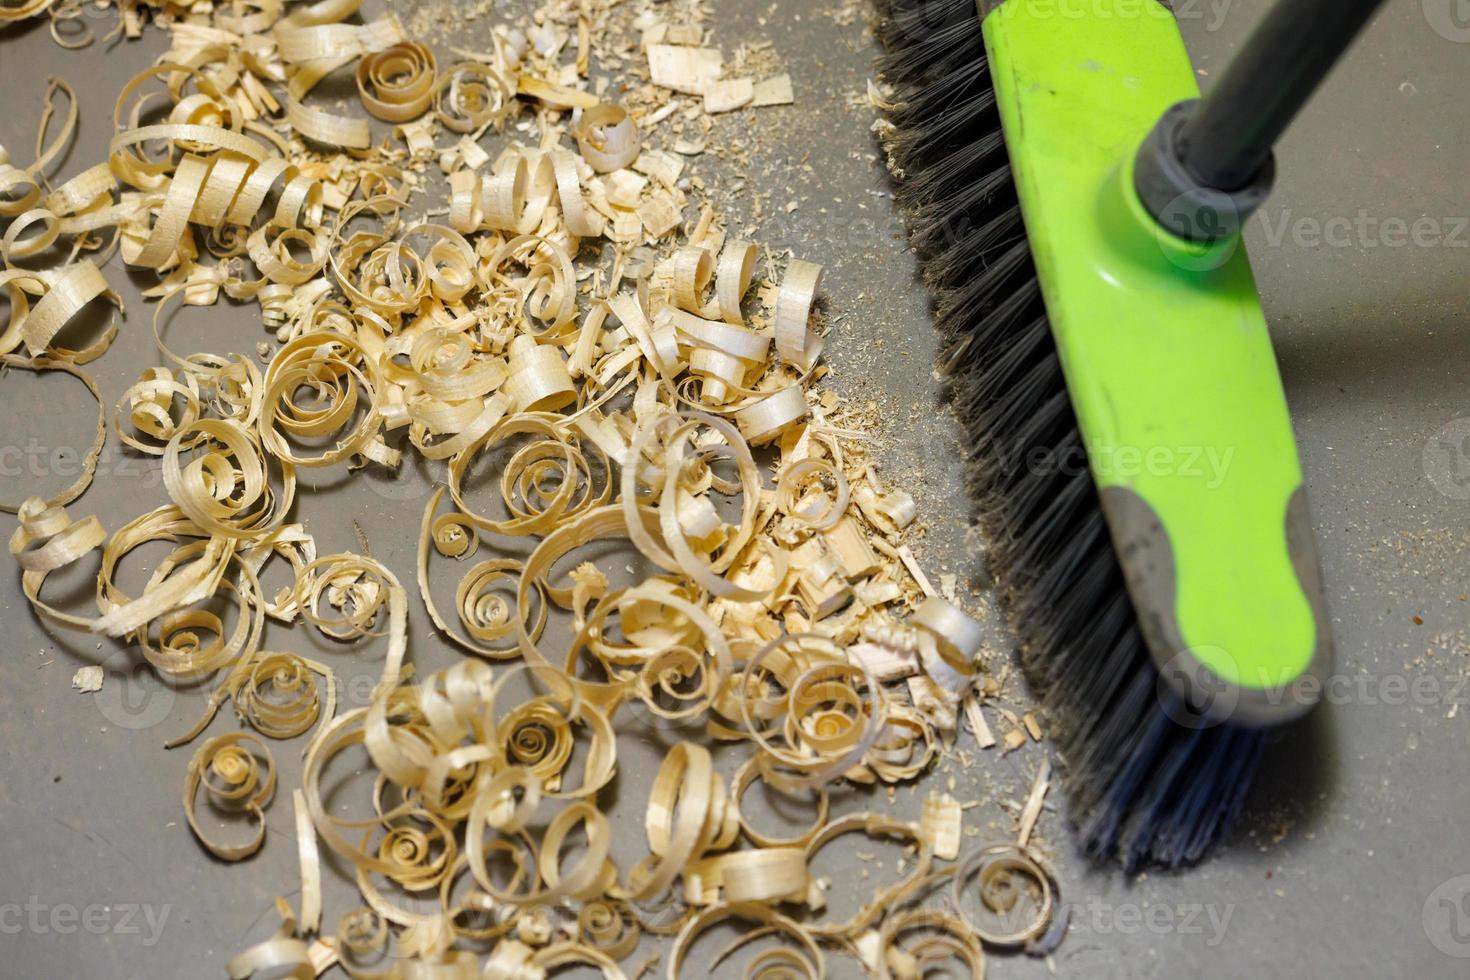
column 1352, row 859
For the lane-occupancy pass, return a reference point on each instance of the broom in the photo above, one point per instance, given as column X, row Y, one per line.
column 1077, row 210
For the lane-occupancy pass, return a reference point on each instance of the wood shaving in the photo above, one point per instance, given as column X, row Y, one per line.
column 772, row 91
column 1034, row 800
column 728, row 95
column 978, row 725
column 576, row 315
column 87, row 679
column 683, row 69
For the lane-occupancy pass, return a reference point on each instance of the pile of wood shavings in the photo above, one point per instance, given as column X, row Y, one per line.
column 582, row 324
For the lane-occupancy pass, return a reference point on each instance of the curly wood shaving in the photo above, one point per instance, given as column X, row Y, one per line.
column 608, row 401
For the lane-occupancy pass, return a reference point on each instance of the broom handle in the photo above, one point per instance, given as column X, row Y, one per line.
column 1229, row 137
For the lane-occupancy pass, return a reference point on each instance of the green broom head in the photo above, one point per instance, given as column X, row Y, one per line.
column 1134, row 452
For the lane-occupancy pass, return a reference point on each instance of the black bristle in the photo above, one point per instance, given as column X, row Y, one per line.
column 966, row 179
column 951, row 264
column 924, row 135
column 1146, row 781
column 925, row 38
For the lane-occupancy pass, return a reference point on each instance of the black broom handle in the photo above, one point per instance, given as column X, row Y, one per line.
column 1230, row 135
